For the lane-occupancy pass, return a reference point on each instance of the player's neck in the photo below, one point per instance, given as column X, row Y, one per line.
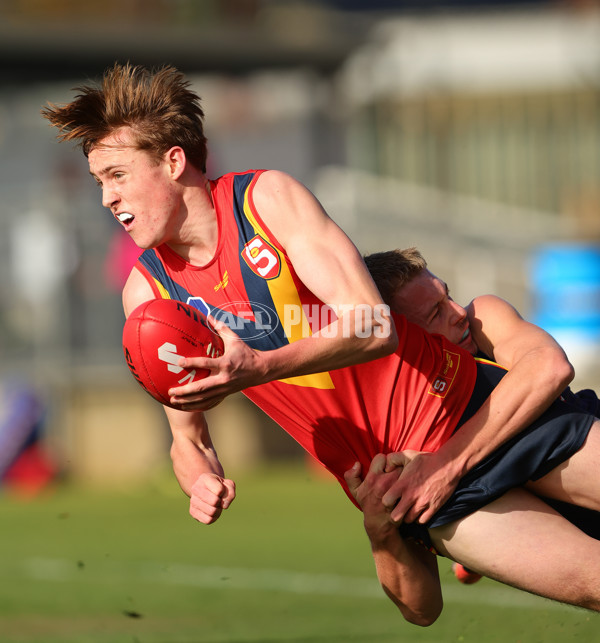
column 198, row 230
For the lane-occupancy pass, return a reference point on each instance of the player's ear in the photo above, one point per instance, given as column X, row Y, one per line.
column 177, row 161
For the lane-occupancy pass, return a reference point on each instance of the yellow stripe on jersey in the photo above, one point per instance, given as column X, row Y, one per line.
column 483, row 360
column 283, row 290
column 164, row 293
column 285, row 294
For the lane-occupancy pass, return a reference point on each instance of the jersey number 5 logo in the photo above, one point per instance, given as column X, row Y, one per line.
column 261, row 258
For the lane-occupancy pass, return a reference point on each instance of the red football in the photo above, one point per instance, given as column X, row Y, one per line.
column 157, row 335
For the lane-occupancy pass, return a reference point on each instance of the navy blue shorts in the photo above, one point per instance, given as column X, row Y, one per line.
column 585, row 519
column 558, row 434
column 585, row 400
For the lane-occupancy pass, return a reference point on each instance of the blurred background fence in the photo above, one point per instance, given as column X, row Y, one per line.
column 468, row 129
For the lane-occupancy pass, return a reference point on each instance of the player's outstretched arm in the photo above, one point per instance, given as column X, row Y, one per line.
column 538, row 371
column 197, row 467
column 408, row 573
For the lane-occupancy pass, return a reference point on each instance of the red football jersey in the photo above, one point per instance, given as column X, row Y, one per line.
column 412, row 399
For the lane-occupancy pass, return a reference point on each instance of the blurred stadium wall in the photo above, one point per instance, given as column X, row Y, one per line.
column 472, row 133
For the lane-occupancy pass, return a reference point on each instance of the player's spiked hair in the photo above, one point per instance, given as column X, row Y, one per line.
column 157, row 104
column 393, row 269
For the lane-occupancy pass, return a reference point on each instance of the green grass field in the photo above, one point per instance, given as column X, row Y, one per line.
column 289, row 562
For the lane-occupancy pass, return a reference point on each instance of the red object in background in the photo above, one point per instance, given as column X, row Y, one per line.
column 120, row 259
column 464, row 575
column 31, row 472
column 25, row 467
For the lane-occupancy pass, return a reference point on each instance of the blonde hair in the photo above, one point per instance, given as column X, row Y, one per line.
column 157, row 105
column 393, row 269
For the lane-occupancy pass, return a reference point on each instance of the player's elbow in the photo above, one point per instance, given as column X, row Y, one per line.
column 422, row 609
column 566, row 373
column 559, row 369
column 423, row 617
column 422, row 621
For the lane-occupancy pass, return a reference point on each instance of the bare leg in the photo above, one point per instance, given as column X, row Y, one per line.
column 520, row 541
column 576, row 480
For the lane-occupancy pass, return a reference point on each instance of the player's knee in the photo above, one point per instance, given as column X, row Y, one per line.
column 423, row 618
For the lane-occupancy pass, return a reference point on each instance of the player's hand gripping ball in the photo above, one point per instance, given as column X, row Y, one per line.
column 157, row 335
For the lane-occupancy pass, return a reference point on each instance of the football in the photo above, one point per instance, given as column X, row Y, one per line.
column 156, row 335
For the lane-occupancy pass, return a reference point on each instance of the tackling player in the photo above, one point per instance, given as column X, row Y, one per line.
column 489, row 327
